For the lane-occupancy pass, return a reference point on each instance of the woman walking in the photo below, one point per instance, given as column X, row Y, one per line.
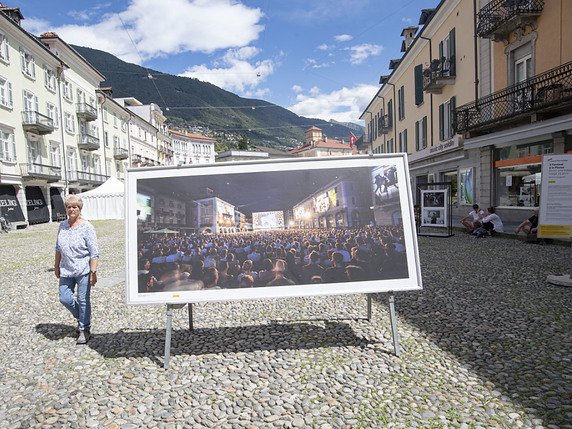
column 76, row 264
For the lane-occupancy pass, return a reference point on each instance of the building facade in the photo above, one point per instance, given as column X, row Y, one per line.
column 471, row 100
column 318, row 145
column 189, row 148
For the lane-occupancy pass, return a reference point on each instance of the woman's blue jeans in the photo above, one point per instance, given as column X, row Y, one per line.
column 80, row 308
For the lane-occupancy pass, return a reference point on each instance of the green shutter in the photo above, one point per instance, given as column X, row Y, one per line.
column 452, row 55
column 452, row 117
column 424, row 132
column 405, row 141
column 441, row 122
column 417, row 125
column 418, row 84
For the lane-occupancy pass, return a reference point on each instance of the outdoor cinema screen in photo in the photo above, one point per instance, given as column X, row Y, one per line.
column 270, row 229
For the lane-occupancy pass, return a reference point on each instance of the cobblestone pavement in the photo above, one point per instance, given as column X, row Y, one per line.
column 486, row 344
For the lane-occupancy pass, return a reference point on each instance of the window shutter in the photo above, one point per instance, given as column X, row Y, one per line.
column 424, row 131
column 441, row 53
column 9, row 98
column 418, row 84
column 36, row 107
column 13, row 147
column 23, row 60
column 452, row 68
column 441, row 121
column 452, row 117
column 405, row 141
column 417, row 124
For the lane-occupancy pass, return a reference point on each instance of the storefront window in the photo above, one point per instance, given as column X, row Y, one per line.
column 451, row 176
column 524, row 150
column 518, row 186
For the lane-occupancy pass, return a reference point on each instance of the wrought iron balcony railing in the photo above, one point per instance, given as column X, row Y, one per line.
column 89, row 177
column 500, row 17
column 37, row 123
column 441, row 72
column 86, row 111
column 88, row 142
column 120, row 152
column 546, row 92
column 33, row 170
column 384, row 125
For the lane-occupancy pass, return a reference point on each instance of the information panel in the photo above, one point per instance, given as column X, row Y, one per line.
column 345, row 232
column 556, row 196
column 434, row 208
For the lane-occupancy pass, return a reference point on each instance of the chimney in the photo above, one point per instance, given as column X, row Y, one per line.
column 409, row 36
column 13, row 13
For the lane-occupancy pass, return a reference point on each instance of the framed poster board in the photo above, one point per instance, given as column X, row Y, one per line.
column 434, row 205
column 341, row 232
column 556, row 198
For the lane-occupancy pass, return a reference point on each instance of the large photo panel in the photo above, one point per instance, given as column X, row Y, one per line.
column 270, row 229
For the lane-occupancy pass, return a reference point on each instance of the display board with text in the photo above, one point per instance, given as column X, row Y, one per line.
column 556, row 198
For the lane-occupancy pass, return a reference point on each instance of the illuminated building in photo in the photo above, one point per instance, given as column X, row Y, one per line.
column 340, row 204
column 215, row 216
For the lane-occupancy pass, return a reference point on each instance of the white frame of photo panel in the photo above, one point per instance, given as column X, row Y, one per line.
column 412, row 282
column 442, row 209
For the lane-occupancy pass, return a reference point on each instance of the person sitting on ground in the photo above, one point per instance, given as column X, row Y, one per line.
column 492, row 222
column 530, row 225
column 473, row 220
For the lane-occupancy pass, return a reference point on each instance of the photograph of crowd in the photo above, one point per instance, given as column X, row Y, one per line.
column 268, row 229
column 434, row 209
column 433, row 198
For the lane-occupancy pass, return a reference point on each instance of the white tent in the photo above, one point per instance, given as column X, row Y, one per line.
column 105, row 201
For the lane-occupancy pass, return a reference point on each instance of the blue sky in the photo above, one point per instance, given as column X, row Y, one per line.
column 318, row 58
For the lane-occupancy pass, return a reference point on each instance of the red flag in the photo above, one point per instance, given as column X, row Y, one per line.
column 353, row 139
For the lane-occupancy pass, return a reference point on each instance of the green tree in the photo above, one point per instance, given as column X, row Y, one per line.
column 243, row 142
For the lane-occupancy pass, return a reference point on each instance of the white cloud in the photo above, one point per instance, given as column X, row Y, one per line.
column 314, row 64
column 406, row 20
column 360, row 53
column 345, row 104
column 236, row 71
column 325, row 47
column 343, row 38
column 297, row 88
column 87, row 14
column 183, row 25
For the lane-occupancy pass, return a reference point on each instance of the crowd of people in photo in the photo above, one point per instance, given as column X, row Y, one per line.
column 270, row 258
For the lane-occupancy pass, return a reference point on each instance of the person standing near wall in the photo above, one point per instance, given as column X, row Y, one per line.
column 75, row 264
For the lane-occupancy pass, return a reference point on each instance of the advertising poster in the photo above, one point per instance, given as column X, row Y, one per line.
column 466, row 187
column 338, row 240
column 556, row 196
column 434, row 208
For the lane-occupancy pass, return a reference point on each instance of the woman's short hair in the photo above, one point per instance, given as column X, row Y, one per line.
column 74, row 200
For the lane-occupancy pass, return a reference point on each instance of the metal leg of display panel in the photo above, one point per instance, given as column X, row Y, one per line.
column 191, row 325
column 168, row 332
column 393, row 320
column 369, row 307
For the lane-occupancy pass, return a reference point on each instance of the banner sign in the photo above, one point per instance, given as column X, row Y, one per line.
column 466, row 187
column 556, row 196
column 36, row 203
column 306, row 227
column 9, row 205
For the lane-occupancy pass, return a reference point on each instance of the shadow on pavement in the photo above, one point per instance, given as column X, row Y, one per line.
column 274, row 336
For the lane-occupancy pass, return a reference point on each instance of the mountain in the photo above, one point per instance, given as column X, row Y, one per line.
column 190, row 103
column 354, row 127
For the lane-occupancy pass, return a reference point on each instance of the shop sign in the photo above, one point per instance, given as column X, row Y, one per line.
column 443, row 147
column 555, row 199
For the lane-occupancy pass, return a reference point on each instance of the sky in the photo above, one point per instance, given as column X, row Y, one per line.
column 318, row 58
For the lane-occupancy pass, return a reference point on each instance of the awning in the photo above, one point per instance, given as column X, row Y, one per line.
column 37, row 208
column 58, row 208
column 9, row 205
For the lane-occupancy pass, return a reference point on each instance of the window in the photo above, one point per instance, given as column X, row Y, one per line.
column 52, row 112
column 71, row 159
column 390, row 146
column 401, row 103
column 4, row 48
column 50, row 78
column 446, row 115
column 447, row 54
column 106, row 139
column 123, row 126
column 7, row 146
column 421, row 134
column 69, row 122
column 67, row 90
column 403, row 141
column 55, row 154
column 28, row 64
column 30, row 102
column 115, row 141
column 6, row 93
column 115, row 120
column 105, row 115
column 418, row 71
column 96, row 164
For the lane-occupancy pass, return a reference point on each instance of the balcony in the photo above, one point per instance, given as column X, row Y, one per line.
column 136, row 159
column 88, row 142
column 86, row 111
column 32, row 170
column 546, row 94
column 499, row 18
column 120, row 152
column 37, row 123
column 384, row 125
column 438, row 74
column 89, row 177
